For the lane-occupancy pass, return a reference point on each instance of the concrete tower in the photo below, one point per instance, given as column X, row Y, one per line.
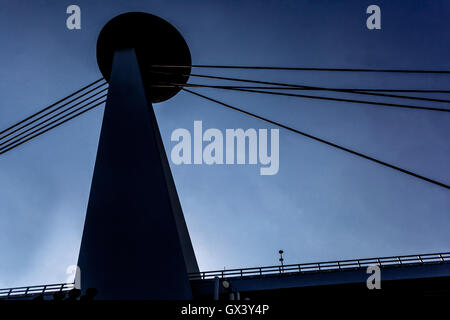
column 135, row 242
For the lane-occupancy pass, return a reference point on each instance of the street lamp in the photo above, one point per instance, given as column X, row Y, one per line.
column 281, row 258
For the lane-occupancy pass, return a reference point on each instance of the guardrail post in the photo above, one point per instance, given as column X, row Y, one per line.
column 339, row 265
column 420, row 259
column 440, row 256
column 399, row 260
column 260, row 271
column 9, row 292
column 216, row 288
column 299, row 268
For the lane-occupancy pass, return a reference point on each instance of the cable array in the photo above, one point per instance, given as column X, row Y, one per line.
column 334, row 145
column 54, row 115
column 93, row 95
column 361, row 102
column 305, row 69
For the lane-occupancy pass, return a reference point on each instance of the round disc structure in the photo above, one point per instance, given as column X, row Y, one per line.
column 156, row 42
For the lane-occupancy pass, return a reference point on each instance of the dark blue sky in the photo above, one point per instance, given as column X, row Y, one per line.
column 323, row 204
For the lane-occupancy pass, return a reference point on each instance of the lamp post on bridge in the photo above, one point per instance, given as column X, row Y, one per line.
column 281, row 259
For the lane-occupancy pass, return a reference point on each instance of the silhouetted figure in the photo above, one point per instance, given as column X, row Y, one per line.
column 74, row 294
column 89, row 295
column 59, row 296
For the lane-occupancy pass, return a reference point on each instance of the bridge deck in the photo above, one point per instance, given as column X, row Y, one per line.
column 396, row 268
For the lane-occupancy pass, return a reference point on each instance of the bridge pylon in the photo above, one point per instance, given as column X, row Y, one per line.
column 135, row 242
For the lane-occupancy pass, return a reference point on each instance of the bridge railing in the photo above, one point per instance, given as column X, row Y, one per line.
column 35, row 290
column 340, row 265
